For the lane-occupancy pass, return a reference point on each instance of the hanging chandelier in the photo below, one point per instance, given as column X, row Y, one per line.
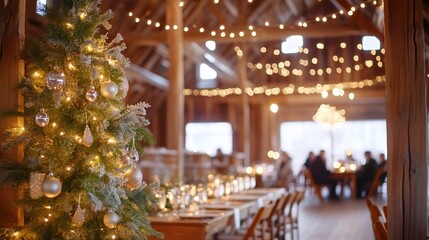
column 329, row 115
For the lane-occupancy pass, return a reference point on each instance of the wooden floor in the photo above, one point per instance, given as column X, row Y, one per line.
column 344, row 219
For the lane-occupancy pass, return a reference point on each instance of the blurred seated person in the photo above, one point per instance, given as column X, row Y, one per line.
column 310, row 158
column 285, row 174
column 322, row 175
column 382, row 164
column 220, row 162
column 366, row 175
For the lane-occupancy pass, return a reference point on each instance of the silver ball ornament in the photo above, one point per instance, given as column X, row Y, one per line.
column 55, row 80
column 91, row 94
column 135, row 178
column 51, row 187
column 42, row 118
column 109, row 89
column 111, row 219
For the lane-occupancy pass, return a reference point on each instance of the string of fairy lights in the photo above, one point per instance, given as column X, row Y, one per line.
column 282, row 67
column 224, row 32
column 337, row 89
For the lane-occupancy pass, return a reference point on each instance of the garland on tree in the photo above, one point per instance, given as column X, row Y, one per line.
column 80, row 138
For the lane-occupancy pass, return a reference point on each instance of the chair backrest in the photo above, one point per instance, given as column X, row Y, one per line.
column 294, row 207
column 385, row 211
column 288, row 203
column 376, row 181
column 260, row 217
column 278, row 206
column 309, row 176
column 376, row 215
column 380, row 230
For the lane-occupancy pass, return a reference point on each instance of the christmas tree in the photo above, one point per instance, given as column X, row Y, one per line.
column 81, row 140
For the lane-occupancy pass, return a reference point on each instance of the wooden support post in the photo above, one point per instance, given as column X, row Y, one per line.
column 175, row 98
column 245, row 123
column 407, row 166
column 11, row 72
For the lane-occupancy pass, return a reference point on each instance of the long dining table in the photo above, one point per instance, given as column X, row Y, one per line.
column 214, row 216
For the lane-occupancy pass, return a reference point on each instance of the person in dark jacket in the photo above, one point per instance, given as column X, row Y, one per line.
column 366, row 175
column 322, row 175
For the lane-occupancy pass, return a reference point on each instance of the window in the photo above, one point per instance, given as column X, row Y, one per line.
column 207, row 73
column 207, row 137
column 370, row 43
column 211, row 45
column 41, row 7
column 299, row 138
column 292, row 44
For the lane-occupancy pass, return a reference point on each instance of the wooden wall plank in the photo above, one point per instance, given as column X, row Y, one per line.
column 406, row 120
column 11, row 72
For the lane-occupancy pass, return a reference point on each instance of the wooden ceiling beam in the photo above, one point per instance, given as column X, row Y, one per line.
column 263, row 5
column 143, row 75
column 201, row 54
column 292, row 7
column 263, row 34
column 232, row 9
column 197, row 54
column 195, row 13
column 359, row 18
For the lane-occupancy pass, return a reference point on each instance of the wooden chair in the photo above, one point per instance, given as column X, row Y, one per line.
column 385, row 211
column 274, row 220
column 292, row 218
column 380, row 230
column 375, row 182
column 260, row 221
column 377, row 219
column 376, row 214
column 317, row 187
column 284, row 226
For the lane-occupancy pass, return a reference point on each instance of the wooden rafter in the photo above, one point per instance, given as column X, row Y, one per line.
column 360, row 19
column 145, row 76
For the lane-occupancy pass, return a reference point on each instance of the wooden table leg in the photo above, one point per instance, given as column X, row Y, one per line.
column 353, row 185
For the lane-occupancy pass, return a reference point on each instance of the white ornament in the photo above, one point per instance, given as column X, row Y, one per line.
column 51, row 187
column 36, row 181
column 135, row 178
column 87, row 138
column 78, row 218
column 41, row 118
column 111, row 219
column 91, row 94
column 109, row 89
column 55, row 80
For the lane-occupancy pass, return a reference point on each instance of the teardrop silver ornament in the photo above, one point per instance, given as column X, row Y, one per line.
column 87, row 138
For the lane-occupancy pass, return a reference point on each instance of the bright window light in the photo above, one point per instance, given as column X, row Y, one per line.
column 41, row 7
column 207, row 73
column 292, row 44
column 356, row 136
column 370, row 43
column 211, row 45
column 209, row 136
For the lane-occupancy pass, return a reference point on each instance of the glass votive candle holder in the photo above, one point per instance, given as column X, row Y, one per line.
column 227, row 188
column 240, row 183
column 235, row 187
column 252, row 181
column 246, row 182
